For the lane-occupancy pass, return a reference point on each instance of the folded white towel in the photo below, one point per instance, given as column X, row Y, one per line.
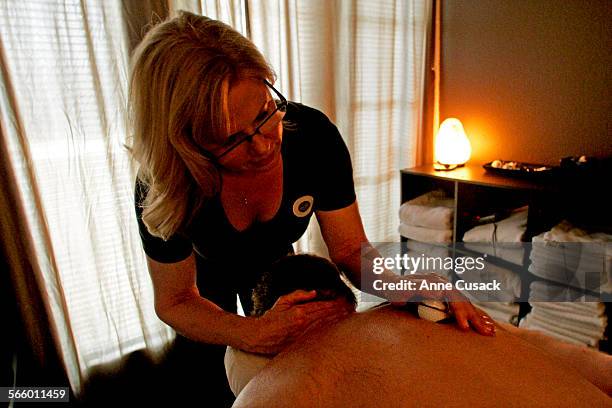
column 567, row 322
column 533, row 320
column 541, row 291
column 529, row 323
column 426, row 234
column 594, row 281
column 433, row 250
column 580, row 264
column 572, row 313
column 510, row 229
column 575, row 319
column 566, row 232
column 578, row 309
column 500, row 311
column 566, row 253
column 431, row 210
column 510, row 283
column 416, row 249
column 511, row 252
column 590, row 254
column 590, row 339
column 507, row 307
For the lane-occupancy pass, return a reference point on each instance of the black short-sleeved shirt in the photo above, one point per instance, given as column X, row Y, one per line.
column 317, row 175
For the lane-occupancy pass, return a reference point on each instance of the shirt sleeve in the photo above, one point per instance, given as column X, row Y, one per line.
column 175, row 249
column 334, row 167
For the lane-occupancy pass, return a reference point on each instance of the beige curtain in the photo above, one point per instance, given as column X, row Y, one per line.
column 63, row 92
column 232, row 12
column 72, row 233
column 361, row 62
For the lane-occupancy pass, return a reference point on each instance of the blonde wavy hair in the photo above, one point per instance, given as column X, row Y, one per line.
column 180, row 77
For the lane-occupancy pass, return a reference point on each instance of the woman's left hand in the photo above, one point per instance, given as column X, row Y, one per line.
column 466, row 314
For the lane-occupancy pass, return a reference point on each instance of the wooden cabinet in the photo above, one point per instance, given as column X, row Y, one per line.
column 477, row 192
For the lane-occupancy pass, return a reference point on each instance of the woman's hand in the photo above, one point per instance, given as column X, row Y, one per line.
column 466, row 314
column 291, row 316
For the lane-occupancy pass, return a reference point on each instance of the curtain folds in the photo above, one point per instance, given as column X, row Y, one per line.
column 18, row 255
column 363, row 64
column 64, row 80
column 231, row 12
column 69, row 233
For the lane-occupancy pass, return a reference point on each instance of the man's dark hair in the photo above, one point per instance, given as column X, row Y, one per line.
column 293, row 272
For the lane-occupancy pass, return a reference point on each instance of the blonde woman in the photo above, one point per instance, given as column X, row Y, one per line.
column 230, row 174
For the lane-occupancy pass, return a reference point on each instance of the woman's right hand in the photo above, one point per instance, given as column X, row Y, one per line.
column 289, row 318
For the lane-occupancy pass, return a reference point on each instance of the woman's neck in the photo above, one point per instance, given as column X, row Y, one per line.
column 251, row 176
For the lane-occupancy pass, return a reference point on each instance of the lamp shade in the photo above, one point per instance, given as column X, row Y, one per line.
column 452, row 145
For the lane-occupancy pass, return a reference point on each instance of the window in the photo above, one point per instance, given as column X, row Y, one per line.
column 66, row 65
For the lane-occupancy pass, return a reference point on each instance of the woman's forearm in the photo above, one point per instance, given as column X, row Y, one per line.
column 359, row 268
column 350, row 264
column 201, row 320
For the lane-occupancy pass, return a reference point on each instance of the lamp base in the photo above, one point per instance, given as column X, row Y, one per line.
column 445, row 167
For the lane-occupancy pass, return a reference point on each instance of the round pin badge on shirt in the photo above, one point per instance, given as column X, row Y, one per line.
column 303, row 206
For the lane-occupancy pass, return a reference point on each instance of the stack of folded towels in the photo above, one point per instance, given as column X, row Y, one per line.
column 427, row 221
column 582, row 323
column 501, row 239
column 500, row 305
column 428, row 218
column 570, row 257
column 417, row 249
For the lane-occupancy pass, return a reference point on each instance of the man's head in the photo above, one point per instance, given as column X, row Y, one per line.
column 305, row 272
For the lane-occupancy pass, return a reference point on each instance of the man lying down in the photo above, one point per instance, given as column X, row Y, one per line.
column 385, row 357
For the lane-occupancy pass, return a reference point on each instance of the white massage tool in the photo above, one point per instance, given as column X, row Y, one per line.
column 433, row 310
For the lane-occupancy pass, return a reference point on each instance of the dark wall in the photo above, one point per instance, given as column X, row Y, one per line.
column 530, row 80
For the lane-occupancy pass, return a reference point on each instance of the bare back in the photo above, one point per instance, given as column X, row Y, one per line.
column 385, row 357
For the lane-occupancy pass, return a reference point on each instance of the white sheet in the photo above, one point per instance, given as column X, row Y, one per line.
column 241, row 367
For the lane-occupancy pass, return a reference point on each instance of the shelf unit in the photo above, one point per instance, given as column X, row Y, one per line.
column 478, row 192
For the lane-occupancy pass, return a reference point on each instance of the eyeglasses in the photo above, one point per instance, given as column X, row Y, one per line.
column 266, row 125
